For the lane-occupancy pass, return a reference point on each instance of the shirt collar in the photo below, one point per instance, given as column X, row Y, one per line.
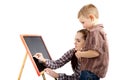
column 97, row 27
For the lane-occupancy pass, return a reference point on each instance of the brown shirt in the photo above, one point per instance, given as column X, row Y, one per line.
column 96, row 40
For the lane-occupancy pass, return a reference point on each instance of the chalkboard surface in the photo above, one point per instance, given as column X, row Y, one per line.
column 35, row 44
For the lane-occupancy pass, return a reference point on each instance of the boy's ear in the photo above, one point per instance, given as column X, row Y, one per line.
column 91, row 17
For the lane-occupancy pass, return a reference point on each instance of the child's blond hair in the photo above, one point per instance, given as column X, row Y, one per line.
column 88, row 9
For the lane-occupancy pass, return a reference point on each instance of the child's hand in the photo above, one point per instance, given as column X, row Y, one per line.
column 40, row 57
column 78, row 54
column 51, row 73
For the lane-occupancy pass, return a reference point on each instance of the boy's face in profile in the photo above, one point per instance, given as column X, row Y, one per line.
column 86, row 22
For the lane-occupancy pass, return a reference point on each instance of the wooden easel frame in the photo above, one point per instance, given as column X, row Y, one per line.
column 27, row 53
column 22, row 67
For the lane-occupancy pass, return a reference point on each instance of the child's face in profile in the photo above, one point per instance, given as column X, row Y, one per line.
column 86, row 22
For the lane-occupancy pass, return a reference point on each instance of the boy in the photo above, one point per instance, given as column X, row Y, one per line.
column 94, row 57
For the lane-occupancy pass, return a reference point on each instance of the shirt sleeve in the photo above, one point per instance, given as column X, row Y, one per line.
column 54, row 64
column 63, row 76
column 95, row 41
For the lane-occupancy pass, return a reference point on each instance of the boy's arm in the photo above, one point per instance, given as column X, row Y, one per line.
column 87, row 54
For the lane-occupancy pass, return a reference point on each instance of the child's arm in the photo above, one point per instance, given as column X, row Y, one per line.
column 87, row 54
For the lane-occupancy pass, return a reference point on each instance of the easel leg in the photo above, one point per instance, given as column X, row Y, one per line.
column 43, row 75
column 21, row 70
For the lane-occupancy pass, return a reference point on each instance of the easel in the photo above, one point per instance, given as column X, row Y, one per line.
column 21, row 70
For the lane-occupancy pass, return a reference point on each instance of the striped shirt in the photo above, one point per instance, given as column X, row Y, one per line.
column 96, row 40
column 61, row 62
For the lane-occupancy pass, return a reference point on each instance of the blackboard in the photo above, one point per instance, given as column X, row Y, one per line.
column 35, row 44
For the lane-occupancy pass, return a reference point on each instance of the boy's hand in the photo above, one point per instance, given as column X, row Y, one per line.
column 78, row 54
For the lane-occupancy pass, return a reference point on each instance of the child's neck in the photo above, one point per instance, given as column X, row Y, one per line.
column 95, row 22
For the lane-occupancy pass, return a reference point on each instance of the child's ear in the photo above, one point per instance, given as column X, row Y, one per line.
column 91, row 17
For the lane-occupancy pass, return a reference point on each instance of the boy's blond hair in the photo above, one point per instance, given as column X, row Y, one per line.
column 88, row 9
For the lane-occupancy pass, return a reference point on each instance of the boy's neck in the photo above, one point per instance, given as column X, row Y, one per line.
column 95, row 22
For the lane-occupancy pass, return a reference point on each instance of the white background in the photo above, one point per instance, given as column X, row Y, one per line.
column 56, row 21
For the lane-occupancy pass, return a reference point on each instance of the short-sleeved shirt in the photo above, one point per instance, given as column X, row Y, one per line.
column 96, row 40
column 61, row 62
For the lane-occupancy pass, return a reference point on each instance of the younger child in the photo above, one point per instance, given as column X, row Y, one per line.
column 94, row 57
